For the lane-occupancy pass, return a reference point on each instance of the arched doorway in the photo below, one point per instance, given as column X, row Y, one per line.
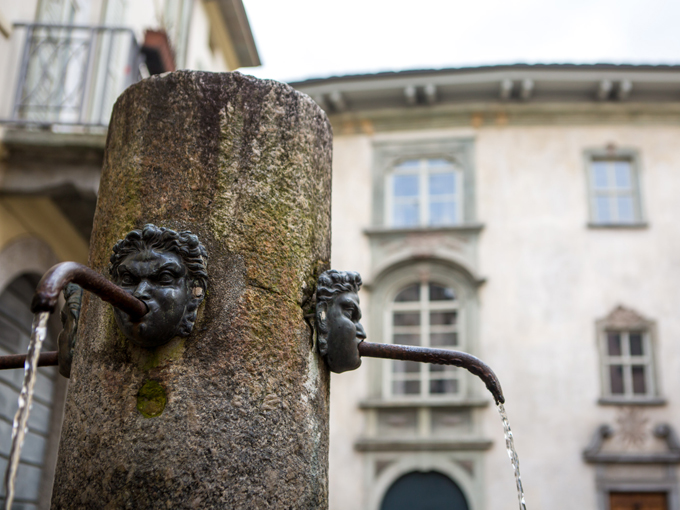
column 424, row 491
column 34, row 476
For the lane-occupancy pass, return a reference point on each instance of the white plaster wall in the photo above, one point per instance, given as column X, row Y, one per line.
column 140, row 16
column 10, row 50
column 351, row 210
column 549, row 278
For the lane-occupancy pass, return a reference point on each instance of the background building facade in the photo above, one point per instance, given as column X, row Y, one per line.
column 63, row 63
column 524, row 214
column 527, row 215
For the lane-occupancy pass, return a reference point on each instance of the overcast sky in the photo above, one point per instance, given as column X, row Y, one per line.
column 300, row 39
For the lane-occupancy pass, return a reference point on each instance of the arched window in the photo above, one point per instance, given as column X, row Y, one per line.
column 424, row 314
column 15, row 331
column 424, row 491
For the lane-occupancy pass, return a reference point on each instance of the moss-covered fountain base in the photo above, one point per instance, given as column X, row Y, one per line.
column 236, row 414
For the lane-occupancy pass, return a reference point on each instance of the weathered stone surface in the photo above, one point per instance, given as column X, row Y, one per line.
column 246, row 165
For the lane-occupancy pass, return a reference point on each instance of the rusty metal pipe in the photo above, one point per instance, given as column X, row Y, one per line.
column 46, row 359
column 438, row 357
column 51, row 284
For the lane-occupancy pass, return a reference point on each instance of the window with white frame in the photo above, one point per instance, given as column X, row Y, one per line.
column 628, row 364
column 615, row 198
column 627, row 357
column 425, row 192
column 424, row 314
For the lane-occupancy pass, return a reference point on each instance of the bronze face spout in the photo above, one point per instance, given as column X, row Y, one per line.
column 341, row 338
column 438, row 357
column 51, row 284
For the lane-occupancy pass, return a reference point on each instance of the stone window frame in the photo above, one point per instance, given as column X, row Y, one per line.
column 613, row 154
column 625, row 320
column 384, row 290
column 387, row 154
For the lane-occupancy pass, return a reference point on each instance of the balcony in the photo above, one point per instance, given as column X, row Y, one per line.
column 71, row 75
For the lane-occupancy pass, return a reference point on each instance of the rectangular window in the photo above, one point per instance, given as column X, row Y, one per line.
column 614, row 191
column 425, row 192
column 627, row 364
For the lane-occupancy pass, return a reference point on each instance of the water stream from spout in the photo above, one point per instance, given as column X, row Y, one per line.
column 19, row 428
column 512, row 453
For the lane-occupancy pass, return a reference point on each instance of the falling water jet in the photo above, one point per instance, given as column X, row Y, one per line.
column 512, row 453
column 19, row 427
column 44, row 303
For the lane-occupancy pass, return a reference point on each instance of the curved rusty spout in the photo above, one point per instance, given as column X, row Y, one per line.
column 54, row 280
column 438, row 357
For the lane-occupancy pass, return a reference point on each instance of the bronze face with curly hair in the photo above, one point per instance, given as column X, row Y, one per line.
column 166, row 270
column 337, row 319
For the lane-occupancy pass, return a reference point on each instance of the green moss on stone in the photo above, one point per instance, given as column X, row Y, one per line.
column 151, row 399
column 148, row 359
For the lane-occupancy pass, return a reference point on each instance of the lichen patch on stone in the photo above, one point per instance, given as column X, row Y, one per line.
column 151, row 399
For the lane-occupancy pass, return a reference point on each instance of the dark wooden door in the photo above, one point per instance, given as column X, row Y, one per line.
column 638, row 501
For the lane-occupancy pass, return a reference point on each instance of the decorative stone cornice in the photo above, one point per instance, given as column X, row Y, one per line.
column 497, row 85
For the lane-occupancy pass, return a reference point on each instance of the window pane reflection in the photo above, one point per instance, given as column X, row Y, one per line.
column 636, row 344
column 600, row 174
column 442, row 368
column 443, row 339
column 622, row 174
column 441, row 386
column 407, row 339
column 406, row 367
column 625, row 205
column 441, row 293
column 614, row 344
column 616, row 379
column 406, row 215
column 442, row 318
column 406, row 319
column 602, row 209
column 410, row 293
column 442, row 213
column 639, row 383
column 406, row 387
column 405, row 185
column 442, row 183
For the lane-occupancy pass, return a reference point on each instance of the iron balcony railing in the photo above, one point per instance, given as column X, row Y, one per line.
column 71, row 74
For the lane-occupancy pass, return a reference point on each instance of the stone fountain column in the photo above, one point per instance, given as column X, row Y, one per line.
column 235, row 415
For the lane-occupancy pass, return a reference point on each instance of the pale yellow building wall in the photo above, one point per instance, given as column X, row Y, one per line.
column 200, row 56
column 549, row 278
column 39, row 218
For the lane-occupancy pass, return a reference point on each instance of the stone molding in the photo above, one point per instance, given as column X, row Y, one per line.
column 593, row 453
column 421, row 444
